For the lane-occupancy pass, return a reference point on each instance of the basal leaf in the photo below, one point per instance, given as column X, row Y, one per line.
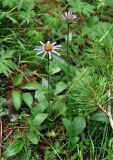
column 28, row 99
column 14, row 148
column 31, row 86
column 79, row 124
column 18, row 79
column 39, row 118
column 16, row 96
column 99, row 116
column 60, row 86
column 33, row 138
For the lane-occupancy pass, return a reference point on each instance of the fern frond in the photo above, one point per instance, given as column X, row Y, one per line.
column 6, row 63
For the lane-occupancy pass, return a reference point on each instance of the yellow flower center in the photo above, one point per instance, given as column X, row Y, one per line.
column 69, row 17
column 48, row 47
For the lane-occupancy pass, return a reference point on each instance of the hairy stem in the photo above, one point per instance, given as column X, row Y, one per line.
column 48, row 83
column 67, row 56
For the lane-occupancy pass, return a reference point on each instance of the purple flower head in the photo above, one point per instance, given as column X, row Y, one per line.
column 48, row 48
column 69, row 16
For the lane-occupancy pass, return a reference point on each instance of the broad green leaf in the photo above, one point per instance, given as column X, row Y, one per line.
column 69, row 126
column 79, row 124
column 16, row 96
column 44, row 83
column 18, row 79
column 39, row 108
column 31, row 86
column 99, row 116
column 40, row 96
column 54, row 67
column 74, row 140
column 28, row 99
column 62, row 109
column 33, row 138
column 14, row 148
column 39, row 118
column 61, row 86
column 55, row 70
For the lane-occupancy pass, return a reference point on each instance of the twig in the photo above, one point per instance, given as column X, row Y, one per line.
column 108, row 112
column 109, row 109
column 18, row 127
column 6, row 137
column 102, row 109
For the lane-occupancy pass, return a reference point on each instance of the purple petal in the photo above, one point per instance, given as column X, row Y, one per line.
column 40, row 52
column 56, row 52
column 44, row 55
column 42, row 43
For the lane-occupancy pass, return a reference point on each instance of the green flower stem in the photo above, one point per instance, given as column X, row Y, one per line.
column 67, row 56
column 48, row 82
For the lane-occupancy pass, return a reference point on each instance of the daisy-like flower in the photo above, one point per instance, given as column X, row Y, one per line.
column 69, row 16
column 48, row 48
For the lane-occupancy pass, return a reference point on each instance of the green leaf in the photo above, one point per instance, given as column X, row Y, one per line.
column 62, row 109
column 55, row 66
column 33, row 138
column 69, row 126
column 99, row 116
column 28, row 99
column 39, row 108
column 14, row 148
column 61, row 86
column 44, row 83
column 18, row 79
column 39, row 118
column 74, row 140
column 40, row 96
column 79, row 124
column 16, row 96
column 31, row 86
column 54, row 69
